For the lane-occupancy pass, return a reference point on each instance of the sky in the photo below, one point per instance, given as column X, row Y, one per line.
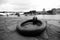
column 26, row 5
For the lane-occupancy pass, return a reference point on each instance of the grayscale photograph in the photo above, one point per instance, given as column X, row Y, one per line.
column 29, row 19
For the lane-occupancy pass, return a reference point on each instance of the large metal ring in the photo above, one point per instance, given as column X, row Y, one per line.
column 31, row 32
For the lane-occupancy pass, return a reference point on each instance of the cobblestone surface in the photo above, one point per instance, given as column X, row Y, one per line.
column 5, row 34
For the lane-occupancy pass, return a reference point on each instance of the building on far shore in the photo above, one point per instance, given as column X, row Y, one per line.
column 51, row 12
column 58, row 11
